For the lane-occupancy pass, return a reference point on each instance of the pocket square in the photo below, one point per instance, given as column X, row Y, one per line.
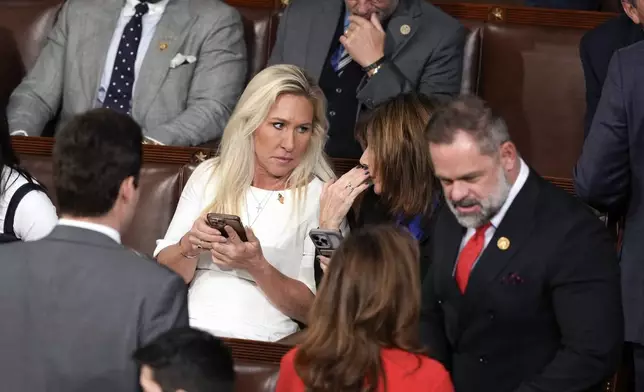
column 180, row 59
column 512, row 279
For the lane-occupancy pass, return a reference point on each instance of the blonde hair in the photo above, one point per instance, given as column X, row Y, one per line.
column 233, row 168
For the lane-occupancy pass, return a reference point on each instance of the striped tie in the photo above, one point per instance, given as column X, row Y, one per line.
column 341, row 57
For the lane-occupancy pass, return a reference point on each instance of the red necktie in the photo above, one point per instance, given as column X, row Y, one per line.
column 468, row 256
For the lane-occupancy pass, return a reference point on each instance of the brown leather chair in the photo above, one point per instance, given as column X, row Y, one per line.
column 533, row 77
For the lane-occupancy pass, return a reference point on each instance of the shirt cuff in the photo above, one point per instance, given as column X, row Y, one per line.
column 149, row 140
column 19, row 132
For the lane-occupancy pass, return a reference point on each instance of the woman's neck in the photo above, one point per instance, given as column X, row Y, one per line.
column 268, row 182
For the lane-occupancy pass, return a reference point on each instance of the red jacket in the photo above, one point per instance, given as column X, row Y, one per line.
column 401, row 368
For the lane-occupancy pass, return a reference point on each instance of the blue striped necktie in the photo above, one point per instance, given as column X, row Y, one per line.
column 341, row 57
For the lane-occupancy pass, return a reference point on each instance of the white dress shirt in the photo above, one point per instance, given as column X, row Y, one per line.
column 225, row 302
column 524, row 171
column 103, row 229
column 35, row 215
column 150, row 22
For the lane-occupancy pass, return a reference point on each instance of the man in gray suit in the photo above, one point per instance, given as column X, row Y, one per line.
column 177, row 66
column 77, row 303
column 365, row 52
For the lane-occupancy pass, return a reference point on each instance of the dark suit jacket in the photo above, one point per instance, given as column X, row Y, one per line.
column 75, row 305
column 372, row 211
column 596, row 49
column 428, row 60
column 543, row 315
column 609, row 174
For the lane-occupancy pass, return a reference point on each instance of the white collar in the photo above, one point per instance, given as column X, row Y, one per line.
column 154, row 8
column 108, row 231
column 524, row 171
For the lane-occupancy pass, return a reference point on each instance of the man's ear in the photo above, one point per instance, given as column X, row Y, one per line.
column 631, row 12
column 127, row 192
column 508, row 155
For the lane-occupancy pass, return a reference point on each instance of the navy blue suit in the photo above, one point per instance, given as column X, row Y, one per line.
column 610, row 177
column 596, row 48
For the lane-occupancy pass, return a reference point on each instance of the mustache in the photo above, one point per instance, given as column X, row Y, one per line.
column 465, row 203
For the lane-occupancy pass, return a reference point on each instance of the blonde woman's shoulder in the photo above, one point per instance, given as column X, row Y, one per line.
column 206, row 168
column 316, row 185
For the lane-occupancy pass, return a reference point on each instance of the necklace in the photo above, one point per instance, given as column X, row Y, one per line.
column 260, row 206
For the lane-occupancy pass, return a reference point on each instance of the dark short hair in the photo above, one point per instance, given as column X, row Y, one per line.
column 473, row 116
column 93, row 154
column 189, row 359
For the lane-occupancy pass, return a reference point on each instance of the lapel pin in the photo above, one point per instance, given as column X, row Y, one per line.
column 503, row 243
column 405, row 29
column 280, row 198
column 163, row 46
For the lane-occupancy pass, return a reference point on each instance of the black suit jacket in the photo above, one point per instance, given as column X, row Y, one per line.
column 610, row 177
column 543, row 315
column 372, row 211
column 596, row 49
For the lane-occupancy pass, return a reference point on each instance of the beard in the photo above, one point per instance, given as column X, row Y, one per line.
column 488, row 206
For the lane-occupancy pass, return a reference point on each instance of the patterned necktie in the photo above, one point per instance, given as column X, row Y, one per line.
column 341, row 57
column 119, row 92
column 470, row 253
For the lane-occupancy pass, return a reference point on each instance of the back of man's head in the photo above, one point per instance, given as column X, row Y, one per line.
column 97, row 161
column 186, row 359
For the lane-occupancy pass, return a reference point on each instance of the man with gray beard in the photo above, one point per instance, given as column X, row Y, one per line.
column 523, row 292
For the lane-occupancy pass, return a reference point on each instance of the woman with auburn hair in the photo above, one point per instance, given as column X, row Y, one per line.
column 269, row 172
column 363, row 327
column 396, row 166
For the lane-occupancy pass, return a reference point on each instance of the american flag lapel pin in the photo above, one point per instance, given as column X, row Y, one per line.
column 280, row 198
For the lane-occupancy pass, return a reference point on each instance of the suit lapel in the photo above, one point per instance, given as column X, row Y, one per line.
column 447, row 249
column 99, row 28
column 169, row 34
column 402, row 26
column 516, row 226
column 321, row 33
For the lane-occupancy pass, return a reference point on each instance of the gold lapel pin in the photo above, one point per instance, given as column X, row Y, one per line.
column 163, row 46
column 503, row 243
column 280, row 198
column 405, row 29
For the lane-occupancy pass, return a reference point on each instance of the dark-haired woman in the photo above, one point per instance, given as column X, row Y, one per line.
column 26, row 213
column 395, row 179
column 363, row 326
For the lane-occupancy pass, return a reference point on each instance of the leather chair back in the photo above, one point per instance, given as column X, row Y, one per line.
column 260, row 30
column 532, row 76
column 255, row 376
column 24, row 26
column 472, row 57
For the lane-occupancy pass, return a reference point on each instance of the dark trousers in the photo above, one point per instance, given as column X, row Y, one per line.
column 638, row 366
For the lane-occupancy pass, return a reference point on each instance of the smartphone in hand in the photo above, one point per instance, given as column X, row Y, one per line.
column 219, row 221
column 326, row 241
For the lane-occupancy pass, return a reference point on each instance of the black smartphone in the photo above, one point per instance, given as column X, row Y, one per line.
column 219, row 221
column 326, row 241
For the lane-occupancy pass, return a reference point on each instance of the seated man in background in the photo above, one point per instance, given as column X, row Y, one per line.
column 379, row 48
column 176, row 66
column 188, row 360
column 76, row 304
column 523, row 294
column 598, row 46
